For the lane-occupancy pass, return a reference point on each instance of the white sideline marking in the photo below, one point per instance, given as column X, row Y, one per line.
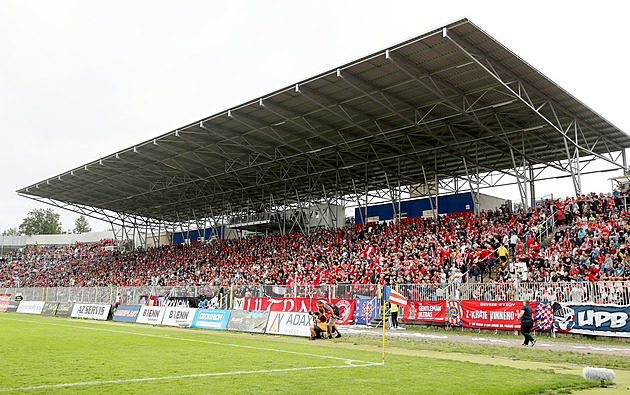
column 346, row 360
column 349, row 363
column 183, row 377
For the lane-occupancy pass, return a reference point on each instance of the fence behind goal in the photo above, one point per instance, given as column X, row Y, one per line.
column 602, row 292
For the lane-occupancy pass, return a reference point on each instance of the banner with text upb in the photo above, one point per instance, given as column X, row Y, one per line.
column 589, row 319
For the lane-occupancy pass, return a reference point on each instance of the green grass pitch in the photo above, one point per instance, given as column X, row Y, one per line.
column 52, row 354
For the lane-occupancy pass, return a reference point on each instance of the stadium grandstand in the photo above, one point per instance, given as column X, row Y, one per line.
column 449, row 112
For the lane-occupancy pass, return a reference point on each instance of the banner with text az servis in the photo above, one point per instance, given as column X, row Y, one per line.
column 587, row 319
column 91, row 310
column 299, row 305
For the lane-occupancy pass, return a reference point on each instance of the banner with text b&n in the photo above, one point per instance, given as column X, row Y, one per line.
column 179, row 316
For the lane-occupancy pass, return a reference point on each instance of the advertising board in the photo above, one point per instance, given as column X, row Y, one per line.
column 248, row 321
column 126, row 313
column 50, row 308
column 178, row 316
column 211, row 319
column 13, row 306
column 289, row 323
column 64, row 309
column 92, row 311
column 31, row 307
column 151, row 315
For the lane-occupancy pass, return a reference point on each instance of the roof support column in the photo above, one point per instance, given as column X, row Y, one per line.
column 532, row 188
column 520, row 179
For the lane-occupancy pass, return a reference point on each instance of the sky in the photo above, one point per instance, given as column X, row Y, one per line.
column 81, row 80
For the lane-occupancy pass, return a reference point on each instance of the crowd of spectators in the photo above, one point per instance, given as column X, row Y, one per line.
column 498, row 246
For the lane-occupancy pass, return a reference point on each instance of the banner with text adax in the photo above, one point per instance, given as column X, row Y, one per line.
column 31, row 307
column 126, row 313
column 302, row 305
column 64, row 309
column 151, row 315
column 586, row 319
column 92, row 311
column 179, row 316
column 50, row 308
column 4, row 301
column 425, row 310
column 13, row 306
column 288, row 323
column 211, row 319
column 491, row 315
column 248, row 321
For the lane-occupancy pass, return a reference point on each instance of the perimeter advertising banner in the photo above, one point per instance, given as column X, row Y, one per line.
column 289, row 323
column 64, row 309
column 248, row 321
column 151, row 315
column 13, row 306
column 425, row 310
column 4, row 301
column 301, row 305
column 92, row 311
column 211, row 319
column 50, row 308
column 179, row 316
column 587, row 319
column 491, row 315
column 31, row 307
column 126, row 313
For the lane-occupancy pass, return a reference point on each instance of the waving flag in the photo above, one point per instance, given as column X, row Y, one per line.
column 394, row 297
column 368, row 252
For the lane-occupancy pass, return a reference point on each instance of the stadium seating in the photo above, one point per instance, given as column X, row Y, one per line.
column 589, row 245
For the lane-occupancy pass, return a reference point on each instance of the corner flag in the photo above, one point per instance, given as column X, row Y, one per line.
column 394, row 297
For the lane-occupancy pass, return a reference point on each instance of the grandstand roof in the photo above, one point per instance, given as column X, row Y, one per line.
column 447, row 103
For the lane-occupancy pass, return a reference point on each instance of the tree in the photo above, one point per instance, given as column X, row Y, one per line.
column 81, row 225
column 41, row 222
column 11, row 232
